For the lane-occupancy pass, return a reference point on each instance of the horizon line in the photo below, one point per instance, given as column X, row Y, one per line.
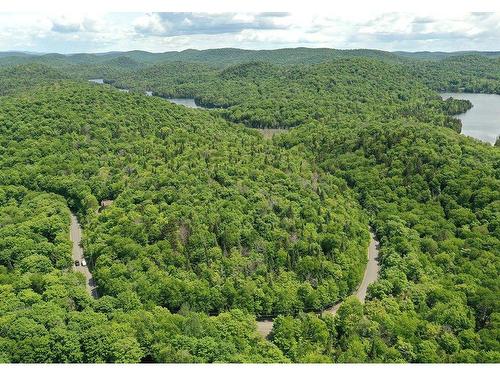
column 242, row 49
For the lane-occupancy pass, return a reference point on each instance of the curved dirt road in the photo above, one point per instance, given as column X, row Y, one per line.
column 264, row 327
column 75, row 235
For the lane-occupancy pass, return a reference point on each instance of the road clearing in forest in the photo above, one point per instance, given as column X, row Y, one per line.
column 75, row 235
column 264, row 327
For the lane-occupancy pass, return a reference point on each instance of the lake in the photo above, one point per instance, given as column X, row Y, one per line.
column 482, row 121
column 189, row 102
column 181, row 101
column 185, row 102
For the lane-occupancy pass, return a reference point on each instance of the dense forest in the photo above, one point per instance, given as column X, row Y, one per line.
column 207, row 202
column 19, row 78
column 47, row 316
column 276, row 92
column 433, row 198
column 263, row 95
column 211, row 226
column 469, row 73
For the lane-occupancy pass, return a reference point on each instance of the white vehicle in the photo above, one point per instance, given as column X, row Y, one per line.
column 84, row 263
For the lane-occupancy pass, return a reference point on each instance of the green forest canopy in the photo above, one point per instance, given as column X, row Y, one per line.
column 208, row 218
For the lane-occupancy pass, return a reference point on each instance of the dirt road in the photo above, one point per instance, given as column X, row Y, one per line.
column 264, row 327
column 75, row 235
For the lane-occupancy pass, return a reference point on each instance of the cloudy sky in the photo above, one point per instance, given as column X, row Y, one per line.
column 158, row 32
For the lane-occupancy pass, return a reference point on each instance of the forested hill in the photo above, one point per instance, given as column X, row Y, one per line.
column 433, row 197
column 215, row 57
column 463, row 71
column 231, row 56
column 433, row 56
column 206, row 217
column 210, row 225
column 264, row 95
column 20, row 78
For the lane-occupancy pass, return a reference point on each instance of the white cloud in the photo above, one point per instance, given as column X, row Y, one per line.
column 183, row 23
column 177, row 31
column 77, row 23
column 149, row 23
column 407, row 31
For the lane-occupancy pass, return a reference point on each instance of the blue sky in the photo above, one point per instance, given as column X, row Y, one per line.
column 158, row 32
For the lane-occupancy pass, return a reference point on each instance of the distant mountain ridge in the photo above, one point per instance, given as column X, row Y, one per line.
column 467, row 71
column 427, row 55
column 227, row 56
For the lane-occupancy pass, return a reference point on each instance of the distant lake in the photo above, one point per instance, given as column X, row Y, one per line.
column 482, row 121
column 180, row 101
column 185, row 102
column 189, row 102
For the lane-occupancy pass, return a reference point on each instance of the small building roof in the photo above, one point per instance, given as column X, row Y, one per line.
column 106, row 202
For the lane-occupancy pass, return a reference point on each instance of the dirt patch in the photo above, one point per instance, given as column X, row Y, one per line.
column 269, row 133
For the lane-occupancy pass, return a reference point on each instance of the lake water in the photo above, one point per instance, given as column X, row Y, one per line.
column 181, row 101
column 100, row 81
column 185, row 102
column 482, row 121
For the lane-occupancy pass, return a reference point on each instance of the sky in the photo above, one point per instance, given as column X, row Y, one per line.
column 175, row 31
